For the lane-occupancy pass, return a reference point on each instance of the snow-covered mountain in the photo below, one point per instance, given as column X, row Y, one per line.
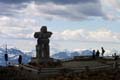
column 13, row 55
column 69, row 54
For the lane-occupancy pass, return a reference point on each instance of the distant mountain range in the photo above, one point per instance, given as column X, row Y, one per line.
column 68, row 54
column 13, row 54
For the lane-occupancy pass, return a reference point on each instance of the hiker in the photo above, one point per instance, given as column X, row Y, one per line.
column 115, row 56
column 103, row 51
column 6, row 58
column 20, row 59
column 93, row 54
column 97, row 53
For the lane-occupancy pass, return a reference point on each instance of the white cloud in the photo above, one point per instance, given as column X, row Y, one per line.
column 17, row 28
column 24, row 29
column 86, row 35
column 111, row 9
column 114, row 3
column 24, row 21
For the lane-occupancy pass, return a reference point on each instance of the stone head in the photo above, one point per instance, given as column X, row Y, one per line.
column 43, row 29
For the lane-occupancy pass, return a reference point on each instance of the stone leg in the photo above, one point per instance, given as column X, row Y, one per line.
column 38, row 51
column 46, row 51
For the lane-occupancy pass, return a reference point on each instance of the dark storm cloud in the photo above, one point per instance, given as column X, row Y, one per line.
column 10, row 9
column 77, row 11
column 67, row 1
column 74, row 9
column 14, row 1
column 45, row 1
column 90, row 9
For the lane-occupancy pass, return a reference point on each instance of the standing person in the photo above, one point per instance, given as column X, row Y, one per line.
column 20, row 59
column 6, row 58
column 103, row 51
column 97, row 53
column 115, row 56
column 93, row 54
column 115, row 61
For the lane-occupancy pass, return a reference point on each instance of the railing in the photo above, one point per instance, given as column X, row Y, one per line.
column 55, row 71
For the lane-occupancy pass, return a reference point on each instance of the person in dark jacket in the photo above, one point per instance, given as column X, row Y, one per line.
column 93, row 54
column 97, row 53
column 6, row 58
column 103, row 51
column 20, row 59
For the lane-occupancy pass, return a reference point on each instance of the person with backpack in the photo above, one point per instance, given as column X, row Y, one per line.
column 103, row 51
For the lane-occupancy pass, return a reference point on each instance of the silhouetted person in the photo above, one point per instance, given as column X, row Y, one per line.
column 93, row 54
column 97, row 53
column 103, row 51
column 115, row 56
column 42, row 47
column 20, row 59
column 115, row 61
column 6, row 58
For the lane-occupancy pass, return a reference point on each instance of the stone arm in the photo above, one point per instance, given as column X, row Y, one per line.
column 49, row 34
column 42, row 35
column 36, row 35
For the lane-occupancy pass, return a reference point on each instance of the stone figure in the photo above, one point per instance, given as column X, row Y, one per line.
column 42, row 47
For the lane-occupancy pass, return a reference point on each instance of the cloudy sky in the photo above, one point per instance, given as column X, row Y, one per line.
column 76, row 24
